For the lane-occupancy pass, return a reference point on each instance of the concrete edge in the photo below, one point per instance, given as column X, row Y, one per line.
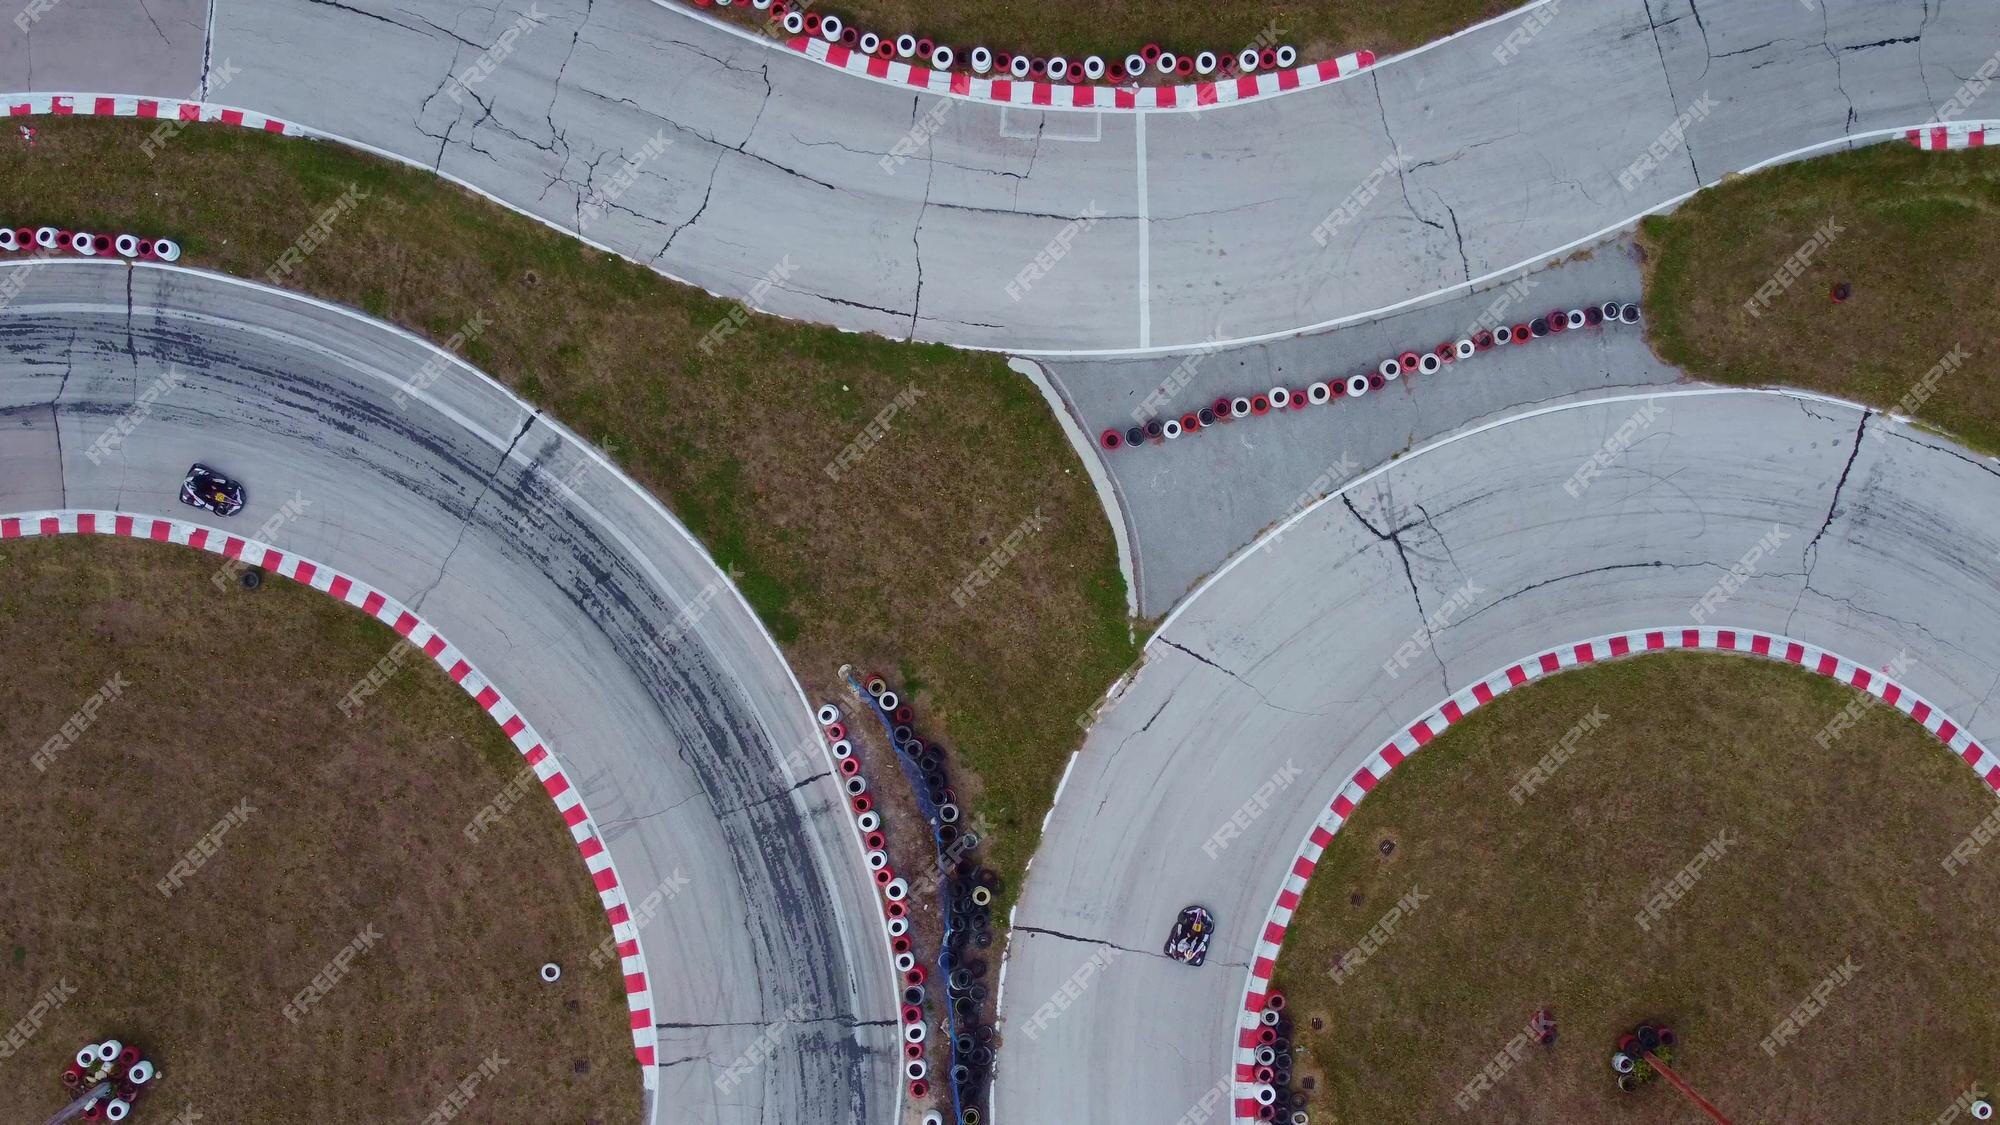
column 1100, row 479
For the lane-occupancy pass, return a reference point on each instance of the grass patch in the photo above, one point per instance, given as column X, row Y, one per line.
column 1917, row 238
column 1832, row 852
column 737, row 442
column 231, row 697
column 1318, row 28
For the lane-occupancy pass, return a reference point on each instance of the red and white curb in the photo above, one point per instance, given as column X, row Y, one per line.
column 418, row 632
column 1956, row 134
column 165, row 109
column 1257, row 986
column 1061, row 95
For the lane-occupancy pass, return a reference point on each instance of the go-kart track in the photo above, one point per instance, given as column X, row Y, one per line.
column 850, row 201
column 739, row 165
column 1266, row 691
column 569, row 588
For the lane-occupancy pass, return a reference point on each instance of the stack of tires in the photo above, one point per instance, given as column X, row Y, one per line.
column 1150, row 62
column 1280, row 400
column 966, row 894
column 48, row 241
column 1277, row 1100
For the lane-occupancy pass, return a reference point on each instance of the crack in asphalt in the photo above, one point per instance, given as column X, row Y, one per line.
column 486, row 489
column 1394, row 537
column 55, row 420
column 803, row 1021
column 1395, row 152
column 1694, row 9
column 1674, row 100
column 1087, row 941
column 1254, row 689
column 1810, row 555
column 1839, row 79
column 779, row 795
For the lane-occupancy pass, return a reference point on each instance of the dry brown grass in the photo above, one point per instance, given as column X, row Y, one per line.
column 350, row 824
column 736, row 442
column 1835, row 852
column 1918, row 233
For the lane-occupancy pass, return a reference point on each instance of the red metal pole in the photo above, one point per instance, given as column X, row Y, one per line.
column 1713, row 1113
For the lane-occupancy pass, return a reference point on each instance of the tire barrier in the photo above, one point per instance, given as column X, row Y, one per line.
column 1215, row 75
column 1403, row 365
column 50, row 241
column 1269, row 948
column 965, row 895
column 868, row 823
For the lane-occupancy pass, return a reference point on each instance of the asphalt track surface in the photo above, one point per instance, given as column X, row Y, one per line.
column 1191, row 503
column 1286, row 660
column 571, row 589
column 1200, row 223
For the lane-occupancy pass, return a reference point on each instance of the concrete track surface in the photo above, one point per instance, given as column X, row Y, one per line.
column 1190, row 504
column 754, row 163
column 1287, row 661
column 571, row 588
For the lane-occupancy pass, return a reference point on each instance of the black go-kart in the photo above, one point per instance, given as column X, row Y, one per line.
column 1188, row 944
column 210, row 491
